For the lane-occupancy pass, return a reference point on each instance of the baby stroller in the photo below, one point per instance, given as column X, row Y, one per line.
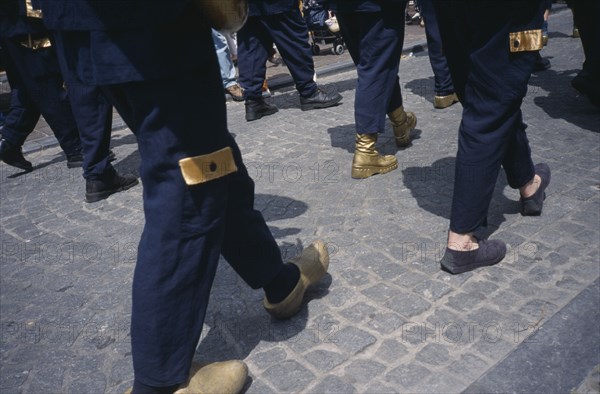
column 322, row 28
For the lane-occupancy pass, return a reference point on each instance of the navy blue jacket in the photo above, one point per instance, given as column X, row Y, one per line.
column 109, row 14
column 118, row 41
column 14, row 22
column 363, row 5
column 271, row 7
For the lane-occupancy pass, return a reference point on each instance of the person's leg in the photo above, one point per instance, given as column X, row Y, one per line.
column 254, row 44
column 93, row 114
column 40, row 78
column 290, row 33
column 94, row 119
column 183, row 233
column 444, row 89
column 228, row 72
column 225, row 63
column 21, row 117
column 232, row 44
column 188, row 223
column 586, row 14
column 375, row 43
column 439, row 64
column 496, row 78
column 18, row 124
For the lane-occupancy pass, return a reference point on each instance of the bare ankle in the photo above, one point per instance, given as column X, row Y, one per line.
column 462, row 242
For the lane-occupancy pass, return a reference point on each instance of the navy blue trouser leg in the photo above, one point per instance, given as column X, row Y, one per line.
column 587, row 14
column 254, row 44
column 187, row 227
column 375, row 42
column 93, row 114
column 21, row 117
column 35, row 75
column 289, row 32
column 491, row 82
column 439, row 64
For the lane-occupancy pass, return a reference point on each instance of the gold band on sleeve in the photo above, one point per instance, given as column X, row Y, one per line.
column 205, row 168
column 528, row 40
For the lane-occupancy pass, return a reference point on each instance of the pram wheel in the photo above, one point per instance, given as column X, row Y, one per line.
column 316, row 49
column 338, row 49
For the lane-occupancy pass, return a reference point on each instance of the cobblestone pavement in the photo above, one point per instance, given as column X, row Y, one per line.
column 386, row 319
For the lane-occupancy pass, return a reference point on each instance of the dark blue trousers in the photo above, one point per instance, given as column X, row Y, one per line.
column 187, row 227
column 93, row 114
column 37, row 89
column 375, row 40
column 491, row 83
column 289, row 32
column 439, row 64
column 587, row 15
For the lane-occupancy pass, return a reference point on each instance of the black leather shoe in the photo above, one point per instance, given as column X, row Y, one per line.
column 257, row 108
column 75, row 161
column 96, row 190
column 13, row 156
column 319, row 99
column 488, row 253
column 532, row 206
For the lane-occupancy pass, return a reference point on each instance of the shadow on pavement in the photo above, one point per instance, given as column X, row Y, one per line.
column 423, row 87
column 344, row 136
column 238, row 322
column 562, row 101
column 432, row 187
column 289, row 97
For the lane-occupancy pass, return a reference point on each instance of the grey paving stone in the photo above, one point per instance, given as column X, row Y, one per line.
column 333, row 385
column 492, row 344
column 339, row 296
column 433, row 354
column 524, row 288
column 380, row 292
column 361, row 372
column 432, row 290
column 496, row 274
column 47, row 379
column 391, row 350
column 353, row 340
column 407, row 304
column 569, row 283
column 13, row 376
column 468, row 366
column 385, row 323
column 410, row 279
column 465, row 301
column 439, row 383
column 265, row 359
column 407, row 376
column 538, row 309
column 557, row 259
column 356, row 277
column 259, row 387
column 480, row 286
column 380, row 388
column 93, row 382
column 359, row 312
column 288, row 376
column 324, row 360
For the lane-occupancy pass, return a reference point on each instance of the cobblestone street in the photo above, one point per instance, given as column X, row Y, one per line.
column 386, row 319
